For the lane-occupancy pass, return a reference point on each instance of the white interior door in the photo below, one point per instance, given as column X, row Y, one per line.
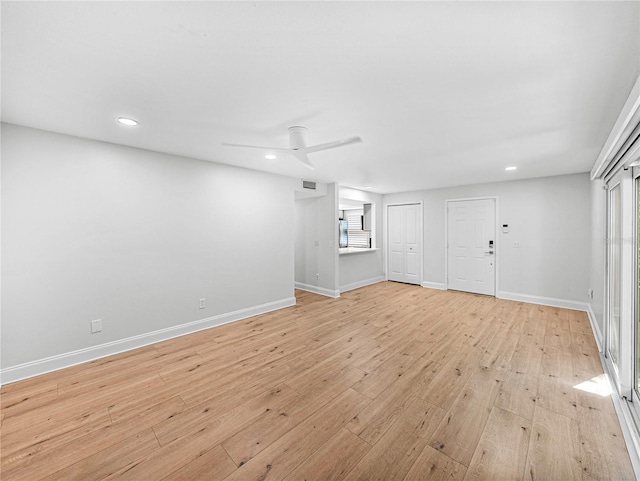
column 471, row 246
column 404, row 252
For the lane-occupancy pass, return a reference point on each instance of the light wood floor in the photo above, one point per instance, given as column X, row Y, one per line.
column 389, row 382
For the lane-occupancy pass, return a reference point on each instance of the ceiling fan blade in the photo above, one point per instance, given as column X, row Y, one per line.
column 275, row 149
column 331, row 145
column 303, row 159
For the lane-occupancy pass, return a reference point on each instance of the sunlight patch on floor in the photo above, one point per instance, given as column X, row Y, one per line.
column 598, row 385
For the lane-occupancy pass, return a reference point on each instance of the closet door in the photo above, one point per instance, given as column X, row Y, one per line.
column 404, row 247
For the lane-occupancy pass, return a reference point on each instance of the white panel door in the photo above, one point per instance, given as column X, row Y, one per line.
column 471, row 246
column 404, row 253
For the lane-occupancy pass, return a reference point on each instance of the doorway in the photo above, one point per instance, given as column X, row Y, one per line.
column 404, row 251
column 471, row 245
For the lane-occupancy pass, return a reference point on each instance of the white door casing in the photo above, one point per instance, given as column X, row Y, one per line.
column 404, row 243
column 471, row 245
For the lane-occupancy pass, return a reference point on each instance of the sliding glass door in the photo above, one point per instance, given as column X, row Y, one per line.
column 621, row 349
column 636, row 272
column 615, row 250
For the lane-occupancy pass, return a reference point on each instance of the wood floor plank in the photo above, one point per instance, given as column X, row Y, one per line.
column 579, row 321
column 220, row 423
column 373, row 421
column 391, row 458
column 527, row 356
column 518, row 394
column 212, row 465
column 100, row 396
column 21, row 436
column 24, row 401
column 384, row 375
column 108, row 461
column 483, row 386
column 557, row 380
column 481, row 335
column 602, row 448
column 238, row 380
column 554, row 449
column 450, row 380
column 432, row 465
column 586, row 361
column 110, row 375
column 53, row 455
column 333, row 460
column 288, row 452
column 502, row 450
column 177, row 456
column 498, row 353
column 271, row 426
column 557, row 395
column 324, row 367
column 558, row 363
column 459, row 432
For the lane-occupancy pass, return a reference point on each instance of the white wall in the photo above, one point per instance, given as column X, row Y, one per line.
column 316, row 222
column 597, row 264
column 365, row 267
column 92, row 230
column 549, row 216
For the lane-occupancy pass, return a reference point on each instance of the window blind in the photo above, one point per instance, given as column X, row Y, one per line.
column 357, row 236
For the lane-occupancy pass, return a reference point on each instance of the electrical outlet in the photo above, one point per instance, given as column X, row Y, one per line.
column 590, row 293
column 317, row 277
column 96, row 326
column 203, row 303
column 516, row 244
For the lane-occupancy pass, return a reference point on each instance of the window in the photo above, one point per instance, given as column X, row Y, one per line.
column 356, row 224
column 357, row 236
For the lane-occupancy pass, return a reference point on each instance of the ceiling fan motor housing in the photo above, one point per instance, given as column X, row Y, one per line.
column 296, row 137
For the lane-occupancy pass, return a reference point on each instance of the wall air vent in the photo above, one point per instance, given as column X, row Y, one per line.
column 307, row 184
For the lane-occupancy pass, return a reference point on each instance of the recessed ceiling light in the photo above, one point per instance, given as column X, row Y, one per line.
column 270, row 156
column 127, row 121
column 513, row 167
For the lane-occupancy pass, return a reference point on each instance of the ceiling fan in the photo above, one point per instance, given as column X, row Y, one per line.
column 298, row 147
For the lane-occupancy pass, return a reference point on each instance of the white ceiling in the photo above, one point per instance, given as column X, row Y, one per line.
column 442, row 93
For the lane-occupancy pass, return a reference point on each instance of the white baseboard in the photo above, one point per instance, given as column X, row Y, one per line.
column 317, row 290
column 595, row 328
column 434, row 285
column 60, row 361
column 363, row 283
column 545, row 301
